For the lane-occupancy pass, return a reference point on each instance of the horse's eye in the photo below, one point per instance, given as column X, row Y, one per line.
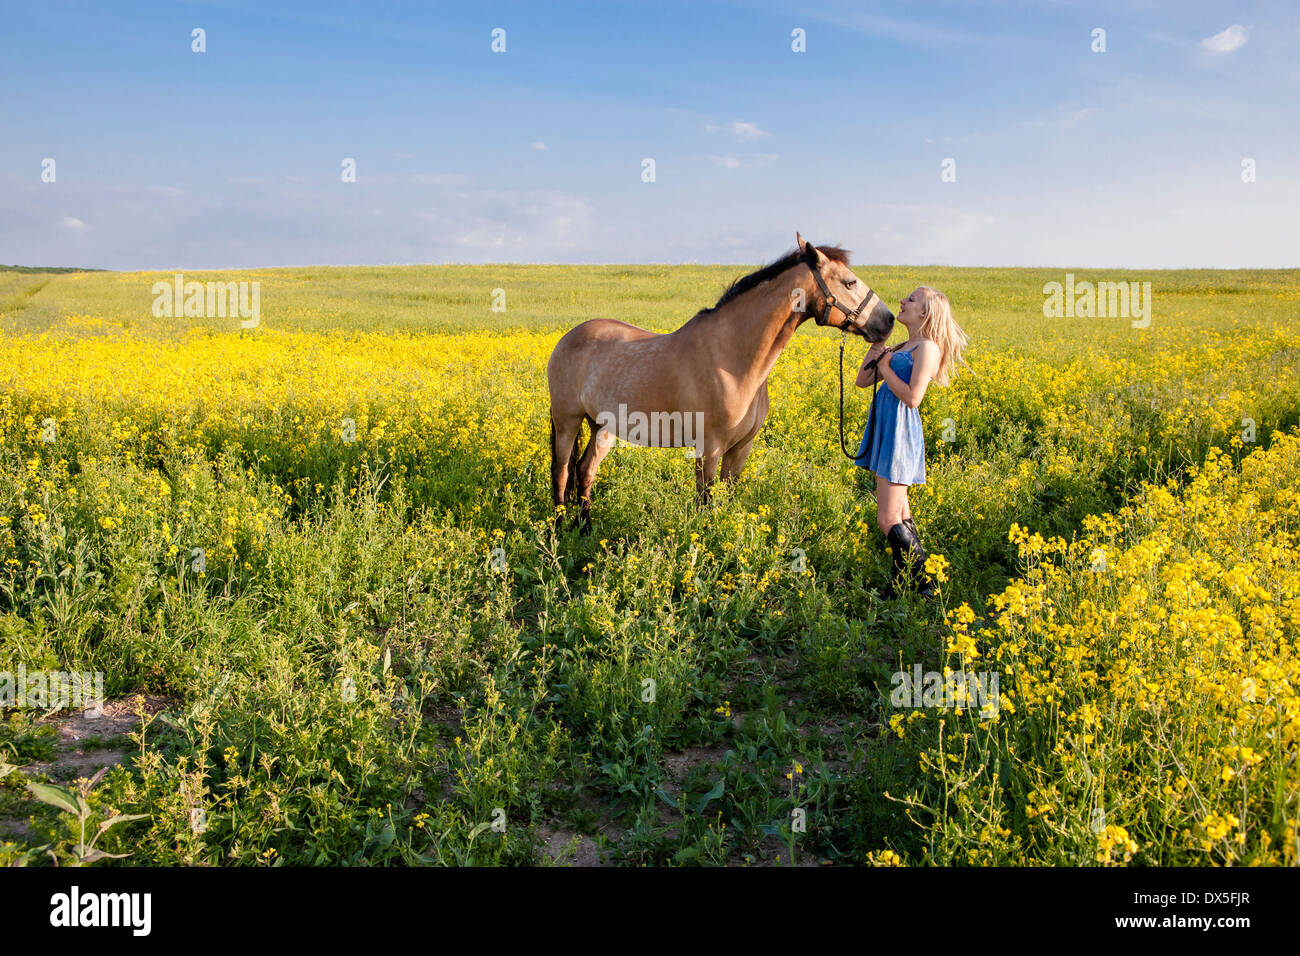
column 850, row 283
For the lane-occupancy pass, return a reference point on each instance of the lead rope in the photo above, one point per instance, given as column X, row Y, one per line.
column 870, row 412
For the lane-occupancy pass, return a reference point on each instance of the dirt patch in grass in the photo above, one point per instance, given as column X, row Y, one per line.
column 576, row 840
column 571, row 849
column 773, row 852
column 104, row 732
column 677, row 766
column 15, row 829
column 86, row 744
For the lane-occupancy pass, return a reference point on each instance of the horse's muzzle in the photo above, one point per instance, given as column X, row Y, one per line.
column 877, row 324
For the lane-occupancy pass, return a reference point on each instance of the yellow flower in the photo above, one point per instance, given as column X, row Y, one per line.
column 936, row 565
column 884, row 858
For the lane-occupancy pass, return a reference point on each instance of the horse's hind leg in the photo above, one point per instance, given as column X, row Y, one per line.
column 598, row 447
column 564, row 455
column 734, row 461
column 706, row 470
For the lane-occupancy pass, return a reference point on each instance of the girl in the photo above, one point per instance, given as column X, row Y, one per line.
column 892, row 446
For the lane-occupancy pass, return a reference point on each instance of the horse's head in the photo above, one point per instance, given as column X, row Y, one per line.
column 847, row 301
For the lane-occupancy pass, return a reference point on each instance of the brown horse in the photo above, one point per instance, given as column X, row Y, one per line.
column 704, row 386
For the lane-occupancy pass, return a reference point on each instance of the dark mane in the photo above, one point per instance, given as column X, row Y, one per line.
column 771, row 271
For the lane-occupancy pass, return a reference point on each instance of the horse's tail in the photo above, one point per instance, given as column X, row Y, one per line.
column 552, row 453
column 572, row 485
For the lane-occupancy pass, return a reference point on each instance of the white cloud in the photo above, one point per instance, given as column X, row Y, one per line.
column 521, row 225
column 404, row 179
column 748, row 131
column 439, row 179
column 916, row 232
column 408, row 179
column 540, row 146
column 1080, row 115
column 482, row 239
column 285, row 225
column 744, row 132
column 751, row 160
column 1233, row 38
column 866, row 19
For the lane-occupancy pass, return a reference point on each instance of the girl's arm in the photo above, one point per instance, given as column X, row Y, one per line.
column 869, row 376
column 925, row 362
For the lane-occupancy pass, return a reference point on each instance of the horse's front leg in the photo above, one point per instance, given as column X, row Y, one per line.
column 733, row 462
column 598, row 446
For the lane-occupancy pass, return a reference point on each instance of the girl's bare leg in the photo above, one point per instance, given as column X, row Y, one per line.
column 891, row 504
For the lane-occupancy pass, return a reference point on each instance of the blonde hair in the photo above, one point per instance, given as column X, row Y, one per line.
column 938, row 325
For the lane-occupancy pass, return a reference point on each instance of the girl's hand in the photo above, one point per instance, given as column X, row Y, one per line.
column 869, row 376
column 876, row 351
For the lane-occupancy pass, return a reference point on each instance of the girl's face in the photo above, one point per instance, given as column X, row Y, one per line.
column 910, row 309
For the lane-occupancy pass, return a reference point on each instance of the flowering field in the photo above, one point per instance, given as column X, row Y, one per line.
column 323, row 548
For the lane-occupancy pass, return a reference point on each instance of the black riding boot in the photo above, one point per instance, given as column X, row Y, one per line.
column 908, row 553
column 897, row 540
column 924, row 586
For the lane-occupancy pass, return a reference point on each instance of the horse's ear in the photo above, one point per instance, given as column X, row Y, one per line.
column 808, row 250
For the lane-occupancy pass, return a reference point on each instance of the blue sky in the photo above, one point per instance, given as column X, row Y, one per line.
column 166, row 158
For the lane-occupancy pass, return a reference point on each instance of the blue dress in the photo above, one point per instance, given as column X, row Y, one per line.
column 892, row 445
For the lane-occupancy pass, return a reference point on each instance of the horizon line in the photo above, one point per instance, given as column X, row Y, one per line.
column 16, row 267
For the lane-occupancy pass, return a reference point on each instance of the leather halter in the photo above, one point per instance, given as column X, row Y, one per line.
column 850, row 315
